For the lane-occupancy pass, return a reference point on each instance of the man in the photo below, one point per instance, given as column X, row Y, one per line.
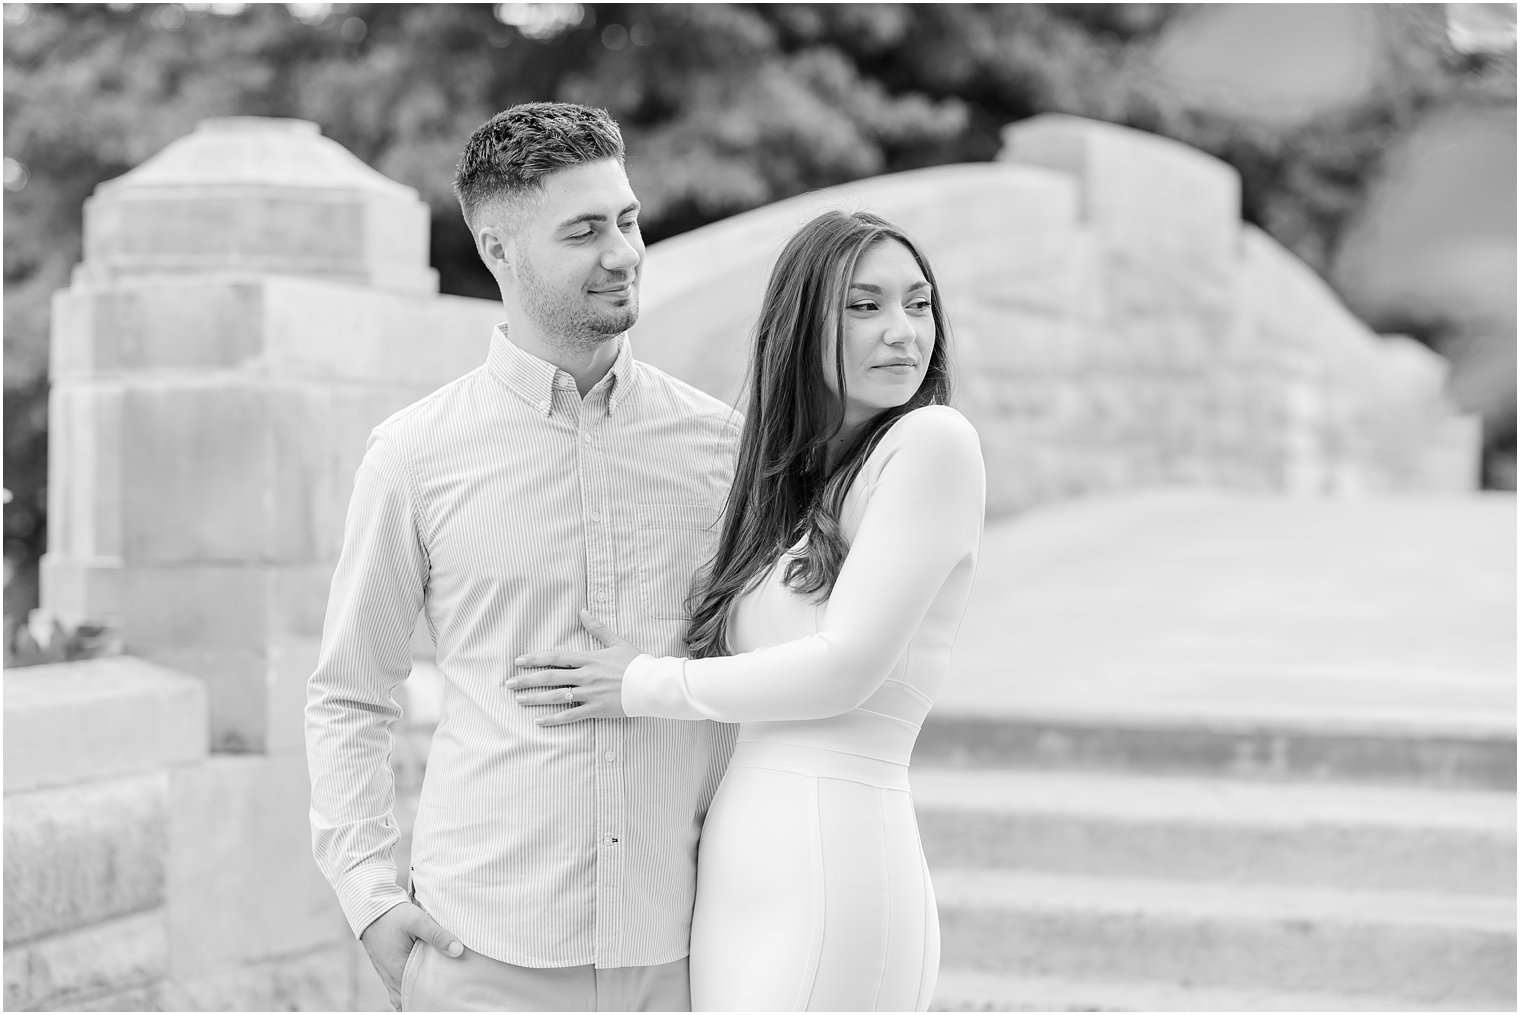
column 553, row 867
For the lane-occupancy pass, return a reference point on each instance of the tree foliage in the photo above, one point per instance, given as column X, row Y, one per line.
column 725, row 107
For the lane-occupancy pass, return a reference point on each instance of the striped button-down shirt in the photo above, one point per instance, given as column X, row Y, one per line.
column 500, row 506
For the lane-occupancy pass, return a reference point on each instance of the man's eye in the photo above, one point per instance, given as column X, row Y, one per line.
column 630, row 225
column 581, row 236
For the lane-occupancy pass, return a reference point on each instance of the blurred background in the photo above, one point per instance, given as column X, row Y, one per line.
column 1375, row 142
column 1233, row 292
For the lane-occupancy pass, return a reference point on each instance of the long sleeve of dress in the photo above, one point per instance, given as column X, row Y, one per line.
column 923, row 517
column 377, row 592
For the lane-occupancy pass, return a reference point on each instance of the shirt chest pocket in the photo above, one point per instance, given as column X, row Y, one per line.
column 674, row 540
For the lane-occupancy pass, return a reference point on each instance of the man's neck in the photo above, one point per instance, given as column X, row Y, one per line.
column 588, row 364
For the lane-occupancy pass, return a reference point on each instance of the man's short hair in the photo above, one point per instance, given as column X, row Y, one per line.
column 509, row 155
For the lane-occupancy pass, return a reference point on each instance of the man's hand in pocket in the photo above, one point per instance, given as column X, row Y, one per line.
column 389, row 941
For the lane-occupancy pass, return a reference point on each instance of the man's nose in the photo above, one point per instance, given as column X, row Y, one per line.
column 621, row 255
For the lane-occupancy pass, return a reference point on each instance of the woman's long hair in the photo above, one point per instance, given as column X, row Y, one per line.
column 783, row 487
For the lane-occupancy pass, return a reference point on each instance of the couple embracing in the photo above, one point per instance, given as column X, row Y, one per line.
column 686, row 654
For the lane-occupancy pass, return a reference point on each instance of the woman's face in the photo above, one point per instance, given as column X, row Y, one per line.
column 888, row 333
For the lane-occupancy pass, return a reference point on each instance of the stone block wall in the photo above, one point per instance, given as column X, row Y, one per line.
column 143, row 872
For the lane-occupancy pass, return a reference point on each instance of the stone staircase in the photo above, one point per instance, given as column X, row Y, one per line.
column 1187, row 867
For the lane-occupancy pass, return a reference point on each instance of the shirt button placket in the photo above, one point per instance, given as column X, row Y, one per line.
column 600, row 595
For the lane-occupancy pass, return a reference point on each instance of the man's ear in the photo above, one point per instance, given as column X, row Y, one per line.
column 494, row 249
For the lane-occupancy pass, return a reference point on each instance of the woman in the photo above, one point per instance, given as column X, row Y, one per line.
column 824, row 625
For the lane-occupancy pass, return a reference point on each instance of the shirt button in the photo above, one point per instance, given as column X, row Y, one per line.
column 610, row 756
column 609, row 840
column 587, row 437
column 601, row 596
column 596, row 516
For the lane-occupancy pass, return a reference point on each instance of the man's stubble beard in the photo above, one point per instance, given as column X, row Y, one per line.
column 575, row 325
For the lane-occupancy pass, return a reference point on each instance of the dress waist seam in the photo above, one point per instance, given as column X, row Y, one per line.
column 787, row 745
column 829, row 776
column 820, row 763
column 893, row 718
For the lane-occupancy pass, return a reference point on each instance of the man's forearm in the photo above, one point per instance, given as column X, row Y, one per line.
column 376, row 596
column 354, row 829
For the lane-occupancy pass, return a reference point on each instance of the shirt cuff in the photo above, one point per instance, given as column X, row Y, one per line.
column 368, row 893
column 657, row 688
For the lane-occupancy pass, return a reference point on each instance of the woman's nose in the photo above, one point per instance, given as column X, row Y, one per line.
column 899, row 330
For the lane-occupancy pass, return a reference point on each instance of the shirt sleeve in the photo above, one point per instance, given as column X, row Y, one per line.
column 377, row 593
column 922, row 518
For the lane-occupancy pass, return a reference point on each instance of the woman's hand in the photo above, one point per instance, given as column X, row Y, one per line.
column 591, row 683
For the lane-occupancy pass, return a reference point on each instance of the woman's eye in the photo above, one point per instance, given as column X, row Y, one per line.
column 920, row 305
column 863, row 305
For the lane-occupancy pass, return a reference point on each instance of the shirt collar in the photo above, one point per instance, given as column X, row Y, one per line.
column 535, row 379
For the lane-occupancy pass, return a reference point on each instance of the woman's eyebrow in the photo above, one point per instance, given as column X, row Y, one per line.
column 868, row 287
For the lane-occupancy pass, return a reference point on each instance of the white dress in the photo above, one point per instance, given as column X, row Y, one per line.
column 812, row 891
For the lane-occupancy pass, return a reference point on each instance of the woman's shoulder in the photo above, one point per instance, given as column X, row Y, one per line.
column 934, row 427
column 935, row 442
column 932, row 447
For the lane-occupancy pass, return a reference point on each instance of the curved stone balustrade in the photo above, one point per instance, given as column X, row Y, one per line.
column 1116, row 325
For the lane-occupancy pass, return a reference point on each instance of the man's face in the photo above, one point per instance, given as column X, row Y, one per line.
column 579, row 255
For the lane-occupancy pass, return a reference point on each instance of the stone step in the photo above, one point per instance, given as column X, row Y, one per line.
column 95, row 719
column 1352, row 837
column 1299, row 940
column 1237, row 745
column 969, row 990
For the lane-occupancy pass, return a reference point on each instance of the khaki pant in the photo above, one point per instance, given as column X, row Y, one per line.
column 434, row 982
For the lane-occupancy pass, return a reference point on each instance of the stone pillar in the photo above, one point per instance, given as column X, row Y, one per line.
column 252, row 300
column 1165, row 219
